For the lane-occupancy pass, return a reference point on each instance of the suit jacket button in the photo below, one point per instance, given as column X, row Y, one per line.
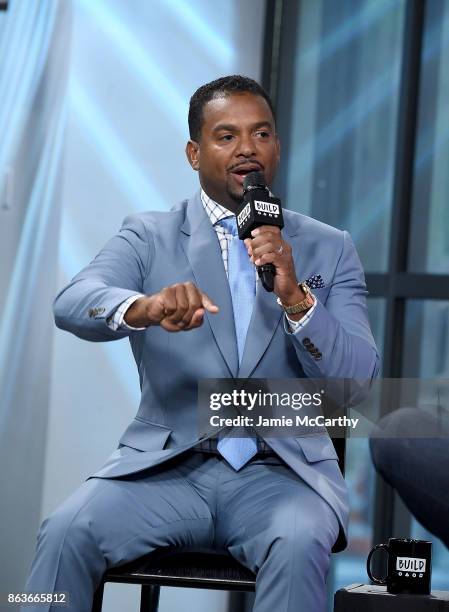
column 306, row 342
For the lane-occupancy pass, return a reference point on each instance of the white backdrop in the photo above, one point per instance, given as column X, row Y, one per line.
column 133, row 67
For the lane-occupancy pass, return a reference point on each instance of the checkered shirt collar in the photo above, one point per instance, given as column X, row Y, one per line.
column 216, row 212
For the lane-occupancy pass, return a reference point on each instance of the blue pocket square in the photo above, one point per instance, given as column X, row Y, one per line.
column 315, row 281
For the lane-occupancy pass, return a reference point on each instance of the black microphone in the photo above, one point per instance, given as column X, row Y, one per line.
column 259, row 208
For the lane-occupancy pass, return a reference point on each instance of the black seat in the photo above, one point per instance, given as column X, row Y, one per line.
column 178, row 569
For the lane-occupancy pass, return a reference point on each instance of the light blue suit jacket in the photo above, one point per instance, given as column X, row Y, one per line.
column 156, row 249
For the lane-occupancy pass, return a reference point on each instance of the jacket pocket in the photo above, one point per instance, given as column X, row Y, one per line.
column 145, row 436
column 317, row 448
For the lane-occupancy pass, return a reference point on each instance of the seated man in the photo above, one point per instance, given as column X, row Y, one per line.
column 183, row 289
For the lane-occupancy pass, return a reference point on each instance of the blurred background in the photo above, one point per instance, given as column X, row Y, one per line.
column 93, row 121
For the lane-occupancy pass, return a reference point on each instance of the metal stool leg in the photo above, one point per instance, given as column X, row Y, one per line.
column 149, row 598
column 98, row 598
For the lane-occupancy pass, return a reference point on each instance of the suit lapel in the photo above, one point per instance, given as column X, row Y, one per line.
column 200, row 244
column 203, row 252
column 264, row 321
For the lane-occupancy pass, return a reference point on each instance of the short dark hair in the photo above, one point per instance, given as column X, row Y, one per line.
column 223, row 86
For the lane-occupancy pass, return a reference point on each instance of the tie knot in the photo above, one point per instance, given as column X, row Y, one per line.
column 230, row 224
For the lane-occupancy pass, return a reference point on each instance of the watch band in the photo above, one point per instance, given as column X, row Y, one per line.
column 301, row 306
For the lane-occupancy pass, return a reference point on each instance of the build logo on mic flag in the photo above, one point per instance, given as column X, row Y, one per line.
column 243, row 215
column 267, row 208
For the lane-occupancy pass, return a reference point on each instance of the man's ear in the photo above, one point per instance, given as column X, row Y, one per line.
column 193, row 154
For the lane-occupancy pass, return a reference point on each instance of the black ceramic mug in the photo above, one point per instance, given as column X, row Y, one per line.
column 409, row 566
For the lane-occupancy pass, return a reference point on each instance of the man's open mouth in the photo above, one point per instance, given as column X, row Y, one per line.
column 240, row 172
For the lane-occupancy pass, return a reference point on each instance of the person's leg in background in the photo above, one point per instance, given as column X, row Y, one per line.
column 416, row 464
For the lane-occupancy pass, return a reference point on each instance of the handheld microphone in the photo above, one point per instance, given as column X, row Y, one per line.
column 259, row 208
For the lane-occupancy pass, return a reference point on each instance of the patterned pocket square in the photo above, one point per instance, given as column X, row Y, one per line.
column 315, row 281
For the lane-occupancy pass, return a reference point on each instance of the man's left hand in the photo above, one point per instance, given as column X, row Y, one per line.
column 268, row 246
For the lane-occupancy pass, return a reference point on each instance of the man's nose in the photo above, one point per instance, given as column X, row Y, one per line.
column 245, row 146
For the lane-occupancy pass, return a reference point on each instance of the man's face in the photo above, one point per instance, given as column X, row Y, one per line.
column 237, row 137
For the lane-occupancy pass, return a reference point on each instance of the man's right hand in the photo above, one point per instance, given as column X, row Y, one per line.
column 176, row 308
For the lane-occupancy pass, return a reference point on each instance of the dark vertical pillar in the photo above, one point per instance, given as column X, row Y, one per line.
column 387, row 521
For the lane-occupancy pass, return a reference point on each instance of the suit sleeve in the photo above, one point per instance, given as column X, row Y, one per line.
column 116, row 273
column 337, row 341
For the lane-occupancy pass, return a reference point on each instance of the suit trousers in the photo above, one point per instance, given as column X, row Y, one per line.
column 264, row 515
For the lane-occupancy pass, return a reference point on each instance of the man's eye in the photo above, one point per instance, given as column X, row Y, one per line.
column 226, row 137
column 263, row 134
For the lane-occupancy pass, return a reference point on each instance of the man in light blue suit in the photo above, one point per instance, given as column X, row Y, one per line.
column 169, row 281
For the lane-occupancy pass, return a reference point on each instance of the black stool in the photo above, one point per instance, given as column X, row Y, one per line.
column 371, row 598
column 178, row 569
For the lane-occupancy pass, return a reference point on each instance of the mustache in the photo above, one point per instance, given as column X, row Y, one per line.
column 248, row 162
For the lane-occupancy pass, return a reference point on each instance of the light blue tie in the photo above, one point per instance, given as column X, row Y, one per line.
column 242, row 282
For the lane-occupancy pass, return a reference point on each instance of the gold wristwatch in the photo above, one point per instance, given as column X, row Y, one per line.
column 301, row 306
